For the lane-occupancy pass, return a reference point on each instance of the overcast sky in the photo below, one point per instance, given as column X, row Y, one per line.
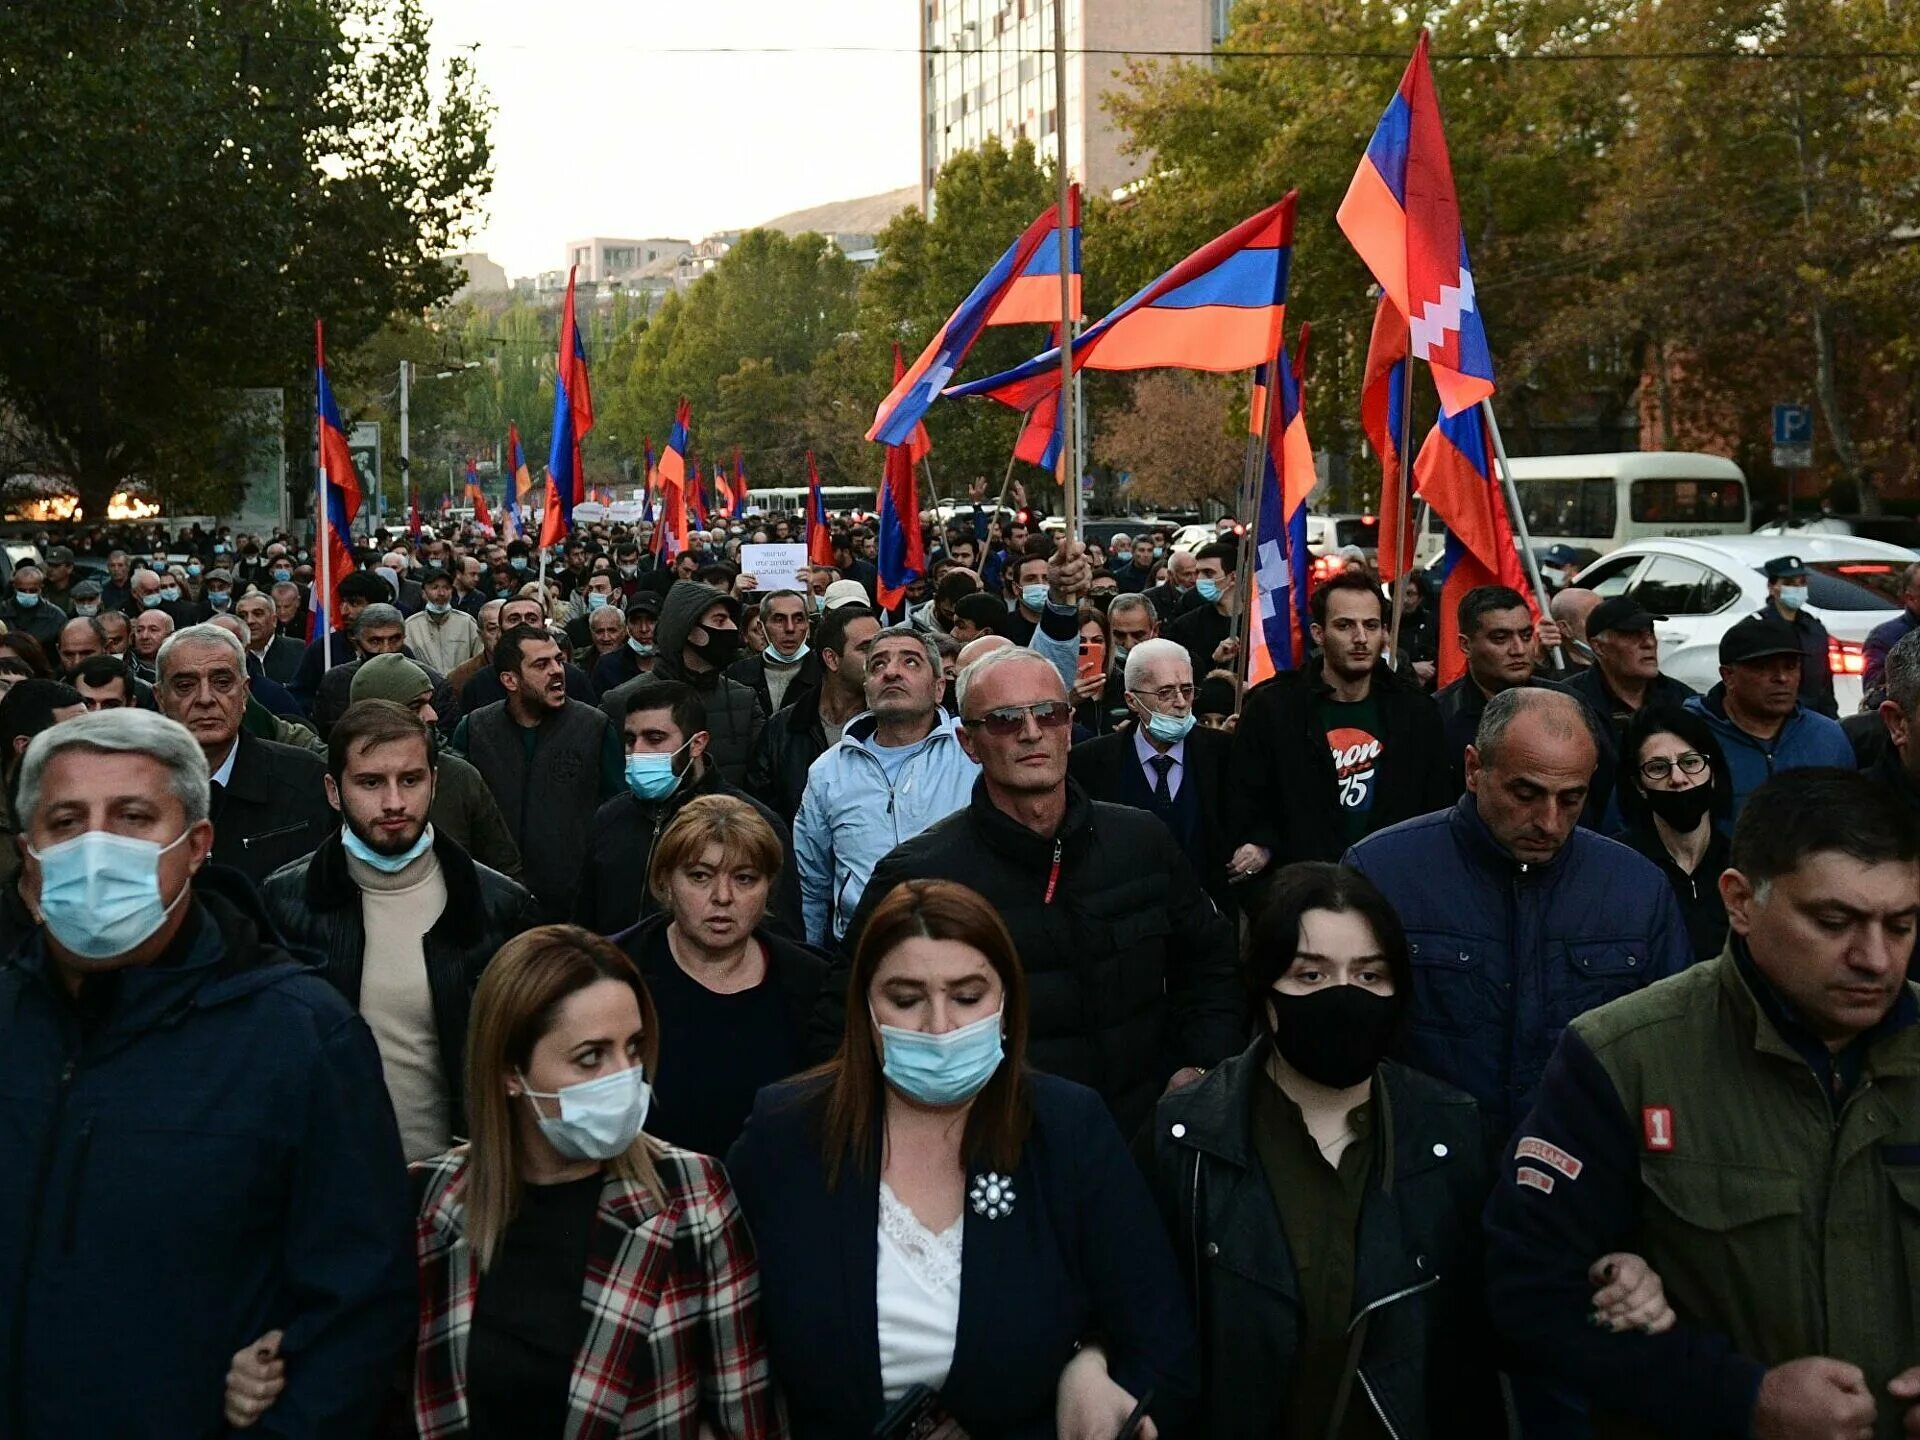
column 601, row 131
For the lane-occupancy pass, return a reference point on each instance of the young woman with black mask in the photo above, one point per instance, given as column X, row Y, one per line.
column 1676, row 784
column 1325, row 1201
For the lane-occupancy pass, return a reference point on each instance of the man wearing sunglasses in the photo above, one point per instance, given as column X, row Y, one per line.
column 1130, row 967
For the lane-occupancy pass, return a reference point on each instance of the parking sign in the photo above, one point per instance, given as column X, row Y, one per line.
column 1793, row 436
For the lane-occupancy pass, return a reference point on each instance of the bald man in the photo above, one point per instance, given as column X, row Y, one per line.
column 1570, row 609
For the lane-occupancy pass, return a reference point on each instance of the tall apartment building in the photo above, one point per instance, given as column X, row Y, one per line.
column 989, row 71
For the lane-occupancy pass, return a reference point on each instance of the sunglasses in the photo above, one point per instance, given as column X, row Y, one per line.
column 1012, row 719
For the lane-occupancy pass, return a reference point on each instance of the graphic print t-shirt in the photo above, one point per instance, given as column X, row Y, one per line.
column 1353, row 735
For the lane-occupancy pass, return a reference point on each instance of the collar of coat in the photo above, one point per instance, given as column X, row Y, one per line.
column 1009, row 836
column 330, row 886
column 443, row 1212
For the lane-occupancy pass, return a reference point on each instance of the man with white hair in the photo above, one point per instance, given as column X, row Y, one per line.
column 269, row 801
column 1168, row 766
column 1130, row 968
column 198, row 1137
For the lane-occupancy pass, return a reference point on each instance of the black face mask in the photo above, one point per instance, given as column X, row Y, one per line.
column 1335, row 1036
column 721, row 649
column 1682, row 809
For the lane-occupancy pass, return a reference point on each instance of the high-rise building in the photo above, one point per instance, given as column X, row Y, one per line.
column 989, row 71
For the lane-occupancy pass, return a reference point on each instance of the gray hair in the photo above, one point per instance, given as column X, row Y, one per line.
column 120, row 732
column 1133, row 602
column 377, row 614
column 206, row 634
column 993, row 660
column 1902, row 675
column 1148, row 651
column 1564, row 714
column 766, row 602
column 908, row 631
column 288, row 586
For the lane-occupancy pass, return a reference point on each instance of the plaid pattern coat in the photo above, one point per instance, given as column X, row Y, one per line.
column 672, row 1294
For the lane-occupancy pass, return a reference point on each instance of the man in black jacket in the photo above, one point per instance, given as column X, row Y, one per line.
column 637, row 655
column 788, row 667
column 269, row 800
column 401, row 917
column 1328, row 754
column 670, row 720
column 1625, row 674
column 1167, row 765
column 1130, row 969
column 800, row 733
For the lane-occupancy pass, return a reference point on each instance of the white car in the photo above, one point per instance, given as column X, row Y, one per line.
column 1704, row 585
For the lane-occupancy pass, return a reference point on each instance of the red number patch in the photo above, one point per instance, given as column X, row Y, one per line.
column 1657, row 1122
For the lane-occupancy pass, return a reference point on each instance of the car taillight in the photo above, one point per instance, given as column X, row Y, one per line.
column 1846, row 658
column 1327, row 565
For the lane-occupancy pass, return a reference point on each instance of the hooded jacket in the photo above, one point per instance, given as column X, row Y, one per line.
column 734, row 716
column 852, row 814
column 198, row 1151
column 1805, row 739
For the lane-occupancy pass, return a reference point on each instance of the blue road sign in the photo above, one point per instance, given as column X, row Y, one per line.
column 1793, row 424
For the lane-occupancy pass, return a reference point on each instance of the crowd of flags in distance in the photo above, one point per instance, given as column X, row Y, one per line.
column 1221, row 309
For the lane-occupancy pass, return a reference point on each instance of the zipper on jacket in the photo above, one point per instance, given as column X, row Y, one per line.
column 70, row 1232
column 1053, row 875
column 1374, row 1400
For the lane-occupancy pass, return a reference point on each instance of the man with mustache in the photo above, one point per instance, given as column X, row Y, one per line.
column 1518, row 921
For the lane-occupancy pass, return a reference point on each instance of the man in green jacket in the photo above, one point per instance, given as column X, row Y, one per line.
column 1752, row 1127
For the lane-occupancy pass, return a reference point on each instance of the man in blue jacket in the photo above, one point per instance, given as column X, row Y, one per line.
column 1756, row 712
column 1517, row 920
column 197, row 1144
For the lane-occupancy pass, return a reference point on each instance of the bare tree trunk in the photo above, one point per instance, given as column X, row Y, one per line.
column 1663, row 391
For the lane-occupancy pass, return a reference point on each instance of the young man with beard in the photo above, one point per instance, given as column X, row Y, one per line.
column 404, row 920
column 1328, row 754
column 548, row 759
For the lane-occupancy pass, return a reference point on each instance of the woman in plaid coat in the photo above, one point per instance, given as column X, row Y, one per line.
column 578, row 1279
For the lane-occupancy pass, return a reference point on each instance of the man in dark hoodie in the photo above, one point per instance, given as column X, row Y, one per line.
column 697, row 638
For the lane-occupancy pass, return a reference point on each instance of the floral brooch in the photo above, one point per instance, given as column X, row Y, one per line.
column 992, row 1196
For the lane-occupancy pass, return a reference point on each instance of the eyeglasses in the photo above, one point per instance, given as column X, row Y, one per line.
column 1167, row 694
column 1691, row 762
column 1012, row 719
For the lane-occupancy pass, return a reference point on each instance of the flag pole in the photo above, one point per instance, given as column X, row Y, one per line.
column 1250, row 542
column 1519, row 519
column 1403, row 510
column 1250, row 538
column 1069, row 481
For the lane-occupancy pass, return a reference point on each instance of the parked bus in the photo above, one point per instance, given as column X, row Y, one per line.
column 1597, row 502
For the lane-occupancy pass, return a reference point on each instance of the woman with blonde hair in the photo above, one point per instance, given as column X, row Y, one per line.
column 577, row 1276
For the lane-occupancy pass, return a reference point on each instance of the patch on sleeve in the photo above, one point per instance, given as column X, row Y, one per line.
column 1657, row 1123
column 1534, row 1179
column 1532, row 1147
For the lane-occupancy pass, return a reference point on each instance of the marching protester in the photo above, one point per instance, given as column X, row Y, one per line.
column 665, row 737
column 401, row 917
column 1745, row 1127
column 896, row 769
column 1624, row 678
column 29, row 612
column 735, row 996
column 799, row 733
column 357, row 591
column 198, row 1138
column 1027, row 587
column 1500, row 641
column 1888, row 633
column 1206, row 628
column 1002, row 1267
column 1517, row 918
column 148, row 632
column 576, row 1274
column 1570, row 610
column 105, row 683
column 779, row 673
column 1756, row 711
column 269, row 653
column 1786, row 603
column 1338, row 749
column 1674, row 788
column 487, row 619
column 439, row 634
column 1130, row 965
column 697, row 639
column 1898, row 768
column 484, row 687
column 636, row 656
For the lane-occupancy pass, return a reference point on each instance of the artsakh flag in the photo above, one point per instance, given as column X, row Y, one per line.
column 1383, row 403
column 819, row 531
column 1402, row 215
column 901, row 552
column 572, row 419
column 1277, row 632
column 1221, row 308
column 670, row 535
column 1454, row 475
column 1015, row 291
column 339, row 488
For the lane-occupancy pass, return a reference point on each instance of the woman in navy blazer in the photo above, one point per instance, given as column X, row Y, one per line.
column 925, row 1144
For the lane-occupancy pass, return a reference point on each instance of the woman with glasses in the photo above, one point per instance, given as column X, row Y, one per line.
column 1676, row 786
column 949, row 1240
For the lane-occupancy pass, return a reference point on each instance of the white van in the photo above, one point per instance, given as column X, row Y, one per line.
column 1597, row 502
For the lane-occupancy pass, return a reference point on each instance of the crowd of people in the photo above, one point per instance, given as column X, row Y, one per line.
column 598, row 994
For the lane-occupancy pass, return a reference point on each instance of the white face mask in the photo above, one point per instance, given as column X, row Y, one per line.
column 100, row 892
column 598, row 1118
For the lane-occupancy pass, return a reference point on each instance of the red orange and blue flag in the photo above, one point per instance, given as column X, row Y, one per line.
column 1383, row 405
column 1040, row 433
column 477, row 498
column 1402, row 215
column 340, row 490
column 650, row 481
column 819, row 530
column 670, row 535
column 1454, row 475
column 900, row 549
column 519, row 486
column 1278, row 614
column 572, row 419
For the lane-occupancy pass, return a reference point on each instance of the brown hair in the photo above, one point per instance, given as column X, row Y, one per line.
column 519, row 994
column 1002, row 1112
column 367, row 723
column 741, row 832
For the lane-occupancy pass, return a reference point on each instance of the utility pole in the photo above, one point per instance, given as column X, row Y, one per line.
column 406, row 471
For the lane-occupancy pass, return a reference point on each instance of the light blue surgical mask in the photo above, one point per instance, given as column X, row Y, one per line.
column 193, row 571
column 153, row 598
column 100, row 892
column 1169, row 729
column 1159, row 552
column 595, row 601
column 439, row 607
column 220, row 599
column 385, row 864
column 652, row 777
column 941, row 1069
column 780, row 657
column 169, row 593
column 638, row 648
column 1034, row 597
column 22, row 598
column 1793, row 596
column 281, row 575
column 1209, row 589
column 86, row 609
column 517, row 562
column 599, row 1119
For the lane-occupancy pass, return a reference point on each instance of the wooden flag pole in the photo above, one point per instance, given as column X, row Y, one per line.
column 1069, row 481
column 1403, row 510
column 1527, row 559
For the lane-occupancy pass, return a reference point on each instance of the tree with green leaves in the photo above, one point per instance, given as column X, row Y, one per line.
column 188, row 187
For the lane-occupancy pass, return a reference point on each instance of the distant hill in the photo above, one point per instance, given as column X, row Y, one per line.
column 867, row 215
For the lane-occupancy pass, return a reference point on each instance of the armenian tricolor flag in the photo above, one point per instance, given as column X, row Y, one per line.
column 572, row 419
column 819, row 530
column 1454, row 475
column 339, row 490
column 670, row 535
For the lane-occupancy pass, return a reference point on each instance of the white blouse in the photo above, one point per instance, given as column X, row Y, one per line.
column 917, row 1290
